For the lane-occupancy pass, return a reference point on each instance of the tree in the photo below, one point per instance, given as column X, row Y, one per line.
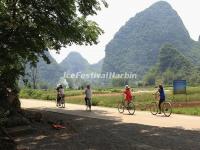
column 149, row 79
column 34, row 76
column 168, row 77
column 170, row 57
column 119, row 82
column 29, row 28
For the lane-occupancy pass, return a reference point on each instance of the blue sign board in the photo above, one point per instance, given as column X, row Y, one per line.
column 179, row 86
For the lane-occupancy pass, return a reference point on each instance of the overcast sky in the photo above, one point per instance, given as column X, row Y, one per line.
column 119, row 12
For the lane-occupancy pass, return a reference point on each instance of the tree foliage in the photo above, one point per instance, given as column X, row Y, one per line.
column 29, row 27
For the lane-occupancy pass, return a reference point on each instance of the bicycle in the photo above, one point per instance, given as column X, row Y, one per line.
column 60, row 103
column 166, row 107
column 128, row 105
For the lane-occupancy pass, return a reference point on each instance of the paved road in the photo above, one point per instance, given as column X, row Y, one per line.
column 140, row 117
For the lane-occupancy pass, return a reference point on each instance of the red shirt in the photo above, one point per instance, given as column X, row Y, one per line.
column 128, row 94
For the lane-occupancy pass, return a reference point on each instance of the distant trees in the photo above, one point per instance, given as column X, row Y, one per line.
column 149, row 78
column 119, row 82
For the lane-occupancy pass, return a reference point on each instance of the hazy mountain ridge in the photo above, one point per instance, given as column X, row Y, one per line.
column 73, row 63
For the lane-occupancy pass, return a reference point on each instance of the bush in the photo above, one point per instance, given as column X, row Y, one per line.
column 38, row 94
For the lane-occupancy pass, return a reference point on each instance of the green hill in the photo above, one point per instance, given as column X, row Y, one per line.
column 135, row 47
column 171, row 58
column 172, row 65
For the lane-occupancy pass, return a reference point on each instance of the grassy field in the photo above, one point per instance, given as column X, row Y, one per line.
column 106, row 101
column 111, row 97
column 51, row 94
column 187, row 111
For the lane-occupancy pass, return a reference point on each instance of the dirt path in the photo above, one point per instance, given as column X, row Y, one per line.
column 140, row 117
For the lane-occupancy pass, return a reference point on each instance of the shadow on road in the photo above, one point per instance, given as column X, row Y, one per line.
column 100, row 114
column 83, row 133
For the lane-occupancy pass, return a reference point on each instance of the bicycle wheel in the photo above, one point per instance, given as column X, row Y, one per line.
column 121, row 107
column 154, row 108
column 131, row 108
column 63, row 105
column 62, row 102
column 56, row 103
column 167, row 109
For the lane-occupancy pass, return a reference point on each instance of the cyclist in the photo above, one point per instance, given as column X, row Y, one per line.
column 161, row 96
column 60, row 94
column 127, row 94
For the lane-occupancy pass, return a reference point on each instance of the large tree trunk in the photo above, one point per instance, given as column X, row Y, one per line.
column 10, row 109
column 9, row 99
column 34, row 76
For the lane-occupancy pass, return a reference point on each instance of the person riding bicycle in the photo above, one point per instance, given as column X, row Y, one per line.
column 127, row 94
column 60, row 94
column 161, row 96
column 88, row 96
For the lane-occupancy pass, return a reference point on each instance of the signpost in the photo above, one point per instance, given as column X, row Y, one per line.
column 179, row 87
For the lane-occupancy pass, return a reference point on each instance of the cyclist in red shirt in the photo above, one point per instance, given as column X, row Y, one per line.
column 127, row 94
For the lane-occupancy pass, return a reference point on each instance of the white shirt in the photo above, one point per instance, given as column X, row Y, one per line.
column 61, row 91
column 88, row 93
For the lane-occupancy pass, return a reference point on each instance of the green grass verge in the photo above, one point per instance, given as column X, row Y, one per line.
column 187, row 111
column 51, row 94
column 106, row 101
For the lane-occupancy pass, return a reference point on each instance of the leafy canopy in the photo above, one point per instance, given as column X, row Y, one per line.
column 29, row 27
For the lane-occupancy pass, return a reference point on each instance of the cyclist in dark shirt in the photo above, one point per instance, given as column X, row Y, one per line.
column 162, row 97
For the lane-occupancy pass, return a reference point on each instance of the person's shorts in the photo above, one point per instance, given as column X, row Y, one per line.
column 162, row 100
column 128, row 100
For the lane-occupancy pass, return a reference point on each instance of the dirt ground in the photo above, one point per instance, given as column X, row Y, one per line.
column 84, row 133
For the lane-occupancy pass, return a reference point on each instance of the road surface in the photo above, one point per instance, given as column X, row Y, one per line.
column 140, row 117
